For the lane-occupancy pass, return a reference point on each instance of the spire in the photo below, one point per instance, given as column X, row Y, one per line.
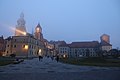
column 38, row 25
column 22, row 15
column 20, row 27
column 21, row 21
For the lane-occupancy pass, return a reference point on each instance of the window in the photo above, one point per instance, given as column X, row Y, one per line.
column 29, row 46
column 15, row 40
column 14, row 46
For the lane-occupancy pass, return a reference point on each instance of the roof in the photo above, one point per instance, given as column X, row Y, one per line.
column 90, row 44
column 64, row 45
column 105, row 44
column 38, row 26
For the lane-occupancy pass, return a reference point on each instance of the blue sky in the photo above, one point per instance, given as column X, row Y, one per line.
column 69, row 20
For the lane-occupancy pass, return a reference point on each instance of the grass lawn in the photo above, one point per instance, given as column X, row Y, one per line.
column 6, row 60
column 92, row 62
column 2, row 63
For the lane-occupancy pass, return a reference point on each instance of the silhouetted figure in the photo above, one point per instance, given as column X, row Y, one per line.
column 40, row 57
column 57, row 58
column 52, row 57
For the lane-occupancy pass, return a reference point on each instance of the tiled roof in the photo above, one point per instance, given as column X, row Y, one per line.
column 90, row 44
column 105, row 44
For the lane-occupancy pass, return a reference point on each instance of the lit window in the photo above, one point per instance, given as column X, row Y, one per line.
column 38, row 29
column 26, row 47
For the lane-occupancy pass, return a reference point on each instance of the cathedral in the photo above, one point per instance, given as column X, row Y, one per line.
column 24, row 44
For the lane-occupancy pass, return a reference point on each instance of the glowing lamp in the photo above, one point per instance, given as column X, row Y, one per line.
column 64, row 55
column 39, row 52
column 26, row 47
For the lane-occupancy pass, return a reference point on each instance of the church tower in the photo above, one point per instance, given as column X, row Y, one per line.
column 20, row 27
column 105, row 38
column 38, row 32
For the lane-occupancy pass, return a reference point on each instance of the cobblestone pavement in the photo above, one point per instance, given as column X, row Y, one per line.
column 48, row 69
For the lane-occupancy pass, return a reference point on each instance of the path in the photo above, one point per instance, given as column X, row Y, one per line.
column 51, row 70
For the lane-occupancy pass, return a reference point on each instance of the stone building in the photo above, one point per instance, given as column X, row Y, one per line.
column 79, row 49
column 86, row 49
column 24, row 44
column 2, row 45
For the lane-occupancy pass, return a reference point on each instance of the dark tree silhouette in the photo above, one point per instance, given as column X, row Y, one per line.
column 114, row 53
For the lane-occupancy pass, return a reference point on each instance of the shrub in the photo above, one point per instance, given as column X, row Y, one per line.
column 12, row 55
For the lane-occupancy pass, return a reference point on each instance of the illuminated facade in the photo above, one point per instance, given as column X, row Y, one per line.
column 24, row 46
column 20, row 27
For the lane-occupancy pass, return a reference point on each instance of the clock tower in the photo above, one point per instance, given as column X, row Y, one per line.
column 38, row 32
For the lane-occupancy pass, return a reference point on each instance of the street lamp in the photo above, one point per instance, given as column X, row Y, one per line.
column 39, row 52
column 26, row 47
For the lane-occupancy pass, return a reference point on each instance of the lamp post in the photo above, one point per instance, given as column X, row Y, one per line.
column 39, row 52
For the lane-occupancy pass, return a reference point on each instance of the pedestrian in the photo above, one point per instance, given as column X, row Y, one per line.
column 52, row 58
column 40, row 57
column 57, row 58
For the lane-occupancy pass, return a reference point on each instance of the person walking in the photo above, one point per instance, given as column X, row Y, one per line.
column 57, row 58
column 40, row 57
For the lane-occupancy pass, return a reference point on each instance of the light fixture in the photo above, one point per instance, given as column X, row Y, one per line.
column 26, row 47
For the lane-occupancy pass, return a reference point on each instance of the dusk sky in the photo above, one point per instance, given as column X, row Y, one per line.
column 69, row 20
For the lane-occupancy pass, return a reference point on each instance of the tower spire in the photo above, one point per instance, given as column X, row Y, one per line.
column 22, row 15
column 20, row 28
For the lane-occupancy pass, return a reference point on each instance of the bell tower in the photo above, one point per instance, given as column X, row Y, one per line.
column 38, row 32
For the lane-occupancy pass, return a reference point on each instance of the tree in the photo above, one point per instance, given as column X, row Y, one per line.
column 114, row 53
column 99, row 52
column 12, row 55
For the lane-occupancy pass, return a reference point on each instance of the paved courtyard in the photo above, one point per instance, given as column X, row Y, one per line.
column 48, row 69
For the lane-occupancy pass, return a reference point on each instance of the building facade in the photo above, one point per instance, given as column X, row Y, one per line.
column 24, row 46
column 2, row 46
column 79, row 49
column 86, row 49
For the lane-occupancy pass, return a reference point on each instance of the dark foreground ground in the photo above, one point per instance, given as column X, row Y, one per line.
column 51, row 70
column 90, row 75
